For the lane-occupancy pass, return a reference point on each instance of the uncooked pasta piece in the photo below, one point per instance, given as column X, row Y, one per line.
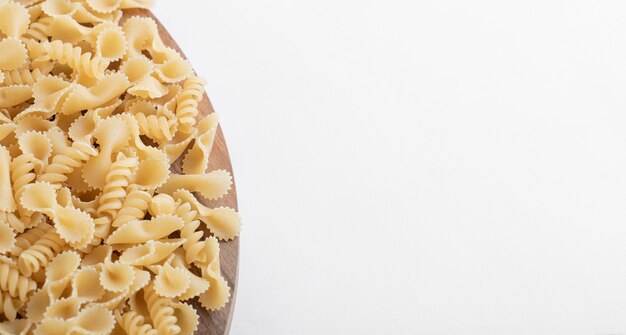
column 11, row 96
column 7, row 203
column 86, row 284
column 197, row 159
column 223, row 222
column 66, row 29
column 104, row 6
column 53, row 327
column 151, row 173
column 212, row 185
column 112, row 135
column 14, row 19
column 14, row 53
column 171, row 282
column 17, row 327
column 105, row 90
column 146, row 230
column 187, row 318
column 7, row 237
column 94, row 320
column 150, row 252
column 116, row 276
column 63, row 308
column 72, row 225
column 37, row 144
column 111, row 44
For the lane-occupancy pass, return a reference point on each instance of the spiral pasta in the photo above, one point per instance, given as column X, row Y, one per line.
column 9, row 305
column 134, row 207
column 22, row 174
column 63, row 164
column 161, row 312
column 187, row 103
column 194, row 246
column 116, row 182
column 134, row 324
column 17, row 285
column 19, row 225
column 38, row 31
column 66, row 53
column 27, row 239
column 22, row 77
column 158, row 128
column 40, row 253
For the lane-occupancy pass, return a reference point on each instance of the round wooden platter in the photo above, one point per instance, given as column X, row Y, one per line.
column 217, row 322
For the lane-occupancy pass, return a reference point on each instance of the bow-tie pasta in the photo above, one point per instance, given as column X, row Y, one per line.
column 97, row 234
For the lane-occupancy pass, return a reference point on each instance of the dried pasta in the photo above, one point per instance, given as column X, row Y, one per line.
column 97, row 234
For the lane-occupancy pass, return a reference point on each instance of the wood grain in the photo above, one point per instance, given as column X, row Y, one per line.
column 218, row 322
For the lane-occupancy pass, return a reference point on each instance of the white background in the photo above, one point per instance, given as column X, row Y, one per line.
column 421, row 167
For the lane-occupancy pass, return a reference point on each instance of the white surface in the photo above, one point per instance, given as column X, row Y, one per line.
column 422, row 167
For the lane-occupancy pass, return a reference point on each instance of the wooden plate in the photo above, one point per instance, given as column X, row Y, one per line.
column 213, row 323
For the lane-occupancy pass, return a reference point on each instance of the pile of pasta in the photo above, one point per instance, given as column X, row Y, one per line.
column 97, row 234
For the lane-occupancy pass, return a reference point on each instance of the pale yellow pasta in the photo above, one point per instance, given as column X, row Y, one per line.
column 63, row 308
column 136, row 4
column 97, row 235
column 22, row 77
column 86, row 284
column 11, row 96
column 14, row 19
column 104, row 90
column 53, row 327
column 37, row 144
column 135, row 324
column 16, row 327
column 16, row 284
column 218, row 293
column 74, row 57
column 197, row 159
column 161, row 312
column 187, row 318
column 195, row 250
column 28, row 238
column 171, row 282
column 151, row 173
column 7, row 203
column 116, row 276
column 40, row 253
column 133, row 208
column 176, row 147
column 146, row 230
column 94, row 320
column 32, row 123
column 112, row 135
column 187, row 103
column 9, row 306
column 7, row 238
column 111, row 44
column 73, row 225
column 60, row 271
column 66, row 29
column 66, row 162
column 104, row 6
column 150, row 252
column 212, row 185
column 148, row 88
column 116, row 181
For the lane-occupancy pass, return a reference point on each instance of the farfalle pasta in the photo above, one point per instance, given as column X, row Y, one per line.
column 98, row 235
